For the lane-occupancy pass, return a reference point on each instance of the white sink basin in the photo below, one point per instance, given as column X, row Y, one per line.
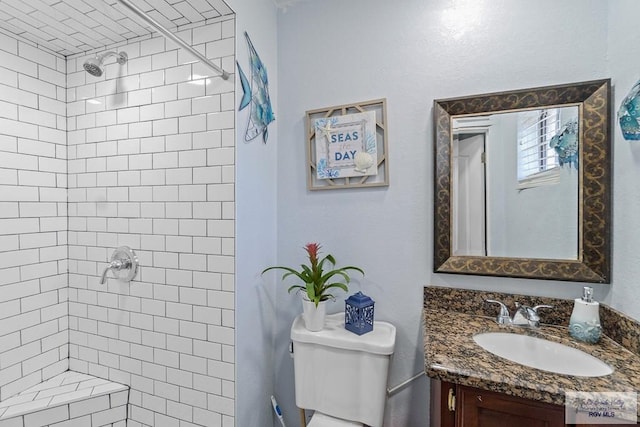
column 542, row 354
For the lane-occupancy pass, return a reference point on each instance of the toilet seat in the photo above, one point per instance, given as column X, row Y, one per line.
column 323, row 420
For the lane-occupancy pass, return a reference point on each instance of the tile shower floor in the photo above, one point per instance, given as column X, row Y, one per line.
column 83, row 394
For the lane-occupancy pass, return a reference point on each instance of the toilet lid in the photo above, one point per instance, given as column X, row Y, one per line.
column 322, row 420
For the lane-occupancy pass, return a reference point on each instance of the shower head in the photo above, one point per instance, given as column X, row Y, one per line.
column 93, row 66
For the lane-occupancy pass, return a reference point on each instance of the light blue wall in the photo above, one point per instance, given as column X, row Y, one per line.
column 334, row 52
column 624, row 47
column 255, row 225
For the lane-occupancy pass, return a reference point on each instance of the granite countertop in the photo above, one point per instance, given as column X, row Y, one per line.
column 452, row 355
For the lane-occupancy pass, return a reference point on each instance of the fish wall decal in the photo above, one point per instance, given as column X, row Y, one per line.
column 256, row 96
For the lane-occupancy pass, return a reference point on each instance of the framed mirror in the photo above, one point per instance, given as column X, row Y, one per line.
column 523, row 183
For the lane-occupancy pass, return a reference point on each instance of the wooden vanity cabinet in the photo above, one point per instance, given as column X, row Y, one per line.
column 481, row 408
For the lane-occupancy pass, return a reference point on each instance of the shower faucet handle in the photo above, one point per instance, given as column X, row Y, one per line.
column 123, row 265
column 119, row 264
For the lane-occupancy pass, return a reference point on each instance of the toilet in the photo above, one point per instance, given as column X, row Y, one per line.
column 340, row 375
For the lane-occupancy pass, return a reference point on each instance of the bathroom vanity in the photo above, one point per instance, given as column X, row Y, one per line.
column 455, row 405
column 473, row 387
column 458, row 405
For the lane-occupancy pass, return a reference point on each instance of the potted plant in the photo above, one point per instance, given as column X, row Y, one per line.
column 317, row 285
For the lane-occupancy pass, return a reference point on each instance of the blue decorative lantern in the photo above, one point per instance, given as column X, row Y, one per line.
column 358, row 313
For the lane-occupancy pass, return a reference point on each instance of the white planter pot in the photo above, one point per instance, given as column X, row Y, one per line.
column 314, row 316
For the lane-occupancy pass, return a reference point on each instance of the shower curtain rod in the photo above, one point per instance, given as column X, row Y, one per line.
column 168, row 34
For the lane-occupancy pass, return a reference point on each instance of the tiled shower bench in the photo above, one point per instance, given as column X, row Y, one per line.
column 70, row 399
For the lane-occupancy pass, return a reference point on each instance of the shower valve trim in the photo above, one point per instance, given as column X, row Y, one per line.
column 123, row 265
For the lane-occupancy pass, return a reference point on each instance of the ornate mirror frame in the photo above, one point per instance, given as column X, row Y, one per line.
column 593, row 263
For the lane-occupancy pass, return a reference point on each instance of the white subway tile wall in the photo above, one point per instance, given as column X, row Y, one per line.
column 142, row 156
column 33, row 216
column 151, row 166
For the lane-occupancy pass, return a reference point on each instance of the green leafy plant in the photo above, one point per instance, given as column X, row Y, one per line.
column 318, row 284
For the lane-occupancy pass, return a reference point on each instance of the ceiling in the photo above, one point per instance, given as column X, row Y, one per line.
column 75, row 26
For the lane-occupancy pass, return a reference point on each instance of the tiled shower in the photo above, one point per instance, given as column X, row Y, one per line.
column 142, row 156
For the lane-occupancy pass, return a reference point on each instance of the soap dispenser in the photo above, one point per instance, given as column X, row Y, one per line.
column 584, row 324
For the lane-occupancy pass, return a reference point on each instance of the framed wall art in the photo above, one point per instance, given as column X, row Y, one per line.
column 347, row 146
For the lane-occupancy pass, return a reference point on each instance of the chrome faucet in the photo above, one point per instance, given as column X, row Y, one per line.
column 528, row 316
column 524, row 315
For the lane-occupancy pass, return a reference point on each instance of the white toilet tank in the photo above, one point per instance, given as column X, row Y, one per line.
column 341, row 374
